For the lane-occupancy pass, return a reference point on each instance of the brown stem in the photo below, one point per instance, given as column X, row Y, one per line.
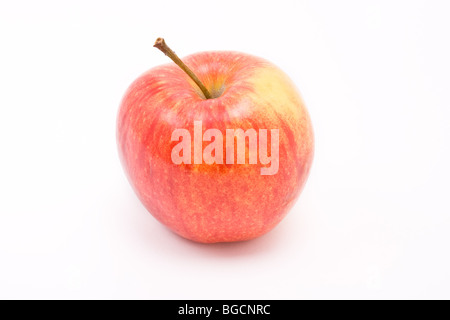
column 161, row 45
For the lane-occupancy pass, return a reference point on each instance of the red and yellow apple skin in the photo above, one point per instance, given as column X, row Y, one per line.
column 218, row 202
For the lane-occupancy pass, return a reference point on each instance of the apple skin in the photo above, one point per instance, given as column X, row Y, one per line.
column 218, row 202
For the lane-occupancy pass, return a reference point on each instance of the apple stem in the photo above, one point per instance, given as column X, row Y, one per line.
column 161, row 45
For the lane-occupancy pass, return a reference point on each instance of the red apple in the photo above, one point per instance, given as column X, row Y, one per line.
column 222, row 201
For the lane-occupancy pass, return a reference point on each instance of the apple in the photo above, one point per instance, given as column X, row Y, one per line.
column 191, row 140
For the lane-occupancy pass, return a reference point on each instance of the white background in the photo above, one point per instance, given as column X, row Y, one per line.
column 372, row 222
